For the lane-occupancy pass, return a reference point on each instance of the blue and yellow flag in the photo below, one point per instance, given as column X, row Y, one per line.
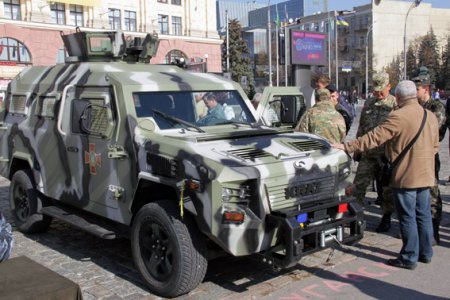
column 277, row 21
column 341, row 21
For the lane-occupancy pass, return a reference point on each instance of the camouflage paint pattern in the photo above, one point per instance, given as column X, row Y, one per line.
column 324, row 120
column 130, row 161
column 438, row 109
column 373, row 113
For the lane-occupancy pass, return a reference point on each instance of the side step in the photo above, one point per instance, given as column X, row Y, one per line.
column 78, row 221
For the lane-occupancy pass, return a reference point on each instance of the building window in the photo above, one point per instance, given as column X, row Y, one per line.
column 176, row 2
column 12, row 50
column 362, row 41
column 61, row 56
column 163, row 21
column 176, row 25
column 114, row 18
column 58, row 13
column 130, row 20
column 76, row 15
column 162, row 1
column 12, row 9
column 173, row 55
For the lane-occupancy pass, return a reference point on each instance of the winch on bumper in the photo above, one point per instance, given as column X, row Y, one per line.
column 296, row 239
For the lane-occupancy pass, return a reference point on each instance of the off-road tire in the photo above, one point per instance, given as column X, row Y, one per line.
column 25, row 204
column 168, row 250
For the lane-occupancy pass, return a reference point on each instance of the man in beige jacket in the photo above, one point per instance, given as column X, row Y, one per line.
column 414, row 175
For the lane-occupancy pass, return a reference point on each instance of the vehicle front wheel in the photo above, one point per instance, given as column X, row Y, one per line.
column 25, row 204
column 168, row 251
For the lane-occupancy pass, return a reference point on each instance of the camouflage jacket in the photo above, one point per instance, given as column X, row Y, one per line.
column 324, row 120
column 438, row 109
column 373, row 113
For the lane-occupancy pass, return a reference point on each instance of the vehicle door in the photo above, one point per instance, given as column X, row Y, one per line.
column 280, row 106
column 99, row 164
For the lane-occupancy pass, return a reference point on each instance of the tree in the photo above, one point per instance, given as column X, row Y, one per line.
column 411, row 61
column 445, row 68
column 240, row 62
column 394, row 71
column 429, row 54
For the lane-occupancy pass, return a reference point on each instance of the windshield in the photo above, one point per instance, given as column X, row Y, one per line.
column 202, row 108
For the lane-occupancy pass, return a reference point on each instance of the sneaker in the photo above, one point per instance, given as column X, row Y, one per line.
column 400, row 264
column 424, row 260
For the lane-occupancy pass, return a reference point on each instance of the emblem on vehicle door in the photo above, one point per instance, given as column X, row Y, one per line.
column 93, row 159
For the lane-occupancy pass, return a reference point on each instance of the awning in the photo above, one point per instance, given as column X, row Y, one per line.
column 93, row 3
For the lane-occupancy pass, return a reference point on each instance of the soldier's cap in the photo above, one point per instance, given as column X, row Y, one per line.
column 332, row 88
column 323, row 95
column 380, row 81
column 422, row 80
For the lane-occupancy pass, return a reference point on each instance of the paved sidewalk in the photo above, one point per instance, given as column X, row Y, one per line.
column 104, row 270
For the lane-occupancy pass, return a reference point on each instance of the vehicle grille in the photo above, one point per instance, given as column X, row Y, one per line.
column 286, row 196
column 249, row 153
column 308, row 145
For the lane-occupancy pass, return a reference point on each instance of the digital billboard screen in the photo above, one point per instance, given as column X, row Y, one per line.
column 308, row 48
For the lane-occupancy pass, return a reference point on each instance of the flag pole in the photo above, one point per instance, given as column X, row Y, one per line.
column 285, row 47
column 336, row 50
column 277, row 46
column 228, row 41
column 269, row 42
column 329, row 45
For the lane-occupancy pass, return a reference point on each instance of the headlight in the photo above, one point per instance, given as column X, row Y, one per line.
column 345, row 170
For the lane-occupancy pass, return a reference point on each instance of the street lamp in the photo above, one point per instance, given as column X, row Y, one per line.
column 367, row 59
column 413, row 4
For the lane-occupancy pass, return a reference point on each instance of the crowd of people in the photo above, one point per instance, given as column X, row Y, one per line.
column 404, row 130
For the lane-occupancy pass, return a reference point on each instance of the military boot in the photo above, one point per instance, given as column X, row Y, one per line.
column 385, row 223
column 436, row 236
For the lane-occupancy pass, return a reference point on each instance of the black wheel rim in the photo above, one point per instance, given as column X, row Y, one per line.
column 21, row 203
column 156, row 250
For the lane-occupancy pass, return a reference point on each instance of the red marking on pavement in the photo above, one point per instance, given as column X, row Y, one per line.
column 365, row 273
column 335, row 285
column 311, row 287
column 361, row 275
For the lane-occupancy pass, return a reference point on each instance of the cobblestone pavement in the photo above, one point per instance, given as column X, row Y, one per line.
column 104, row 268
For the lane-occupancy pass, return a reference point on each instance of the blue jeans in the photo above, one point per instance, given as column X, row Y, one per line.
column 414, row 215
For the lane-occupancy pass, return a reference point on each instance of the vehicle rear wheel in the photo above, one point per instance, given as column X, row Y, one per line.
column 167, row 250
column 25, row 204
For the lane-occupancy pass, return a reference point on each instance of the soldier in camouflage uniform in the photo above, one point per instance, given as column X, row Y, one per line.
column 423, row 85
column 375, row 111
column 323, row 119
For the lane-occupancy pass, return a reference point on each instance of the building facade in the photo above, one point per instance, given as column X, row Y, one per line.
column 374, row 33
column 30, row 29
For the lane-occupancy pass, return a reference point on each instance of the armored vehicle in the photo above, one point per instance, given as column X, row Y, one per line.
column 116, row 146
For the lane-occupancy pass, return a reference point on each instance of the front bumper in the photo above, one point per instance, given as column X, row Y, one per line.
column 295, row 242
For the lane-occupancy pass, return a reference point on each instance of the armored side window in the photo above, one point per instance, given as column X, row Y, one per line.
column 46, row 107
column 91, row 117
column 100, row 44
column 18, row 104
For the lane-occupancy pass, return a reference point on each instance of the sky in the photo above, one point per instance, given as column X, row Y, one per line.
column 349, row 4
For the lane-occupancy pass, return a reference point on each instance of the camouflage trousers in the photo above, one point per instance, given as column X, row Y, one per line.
column 435, row 194
column 368, row 170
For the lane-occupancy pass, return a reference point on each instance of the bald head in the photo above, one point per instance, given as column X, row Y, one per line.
column 405, row 90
